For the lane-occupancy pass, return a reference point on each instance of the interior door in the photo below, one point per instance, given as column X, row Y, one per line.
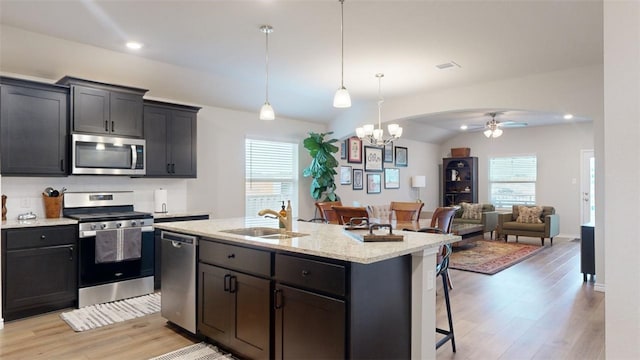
column 587, row 186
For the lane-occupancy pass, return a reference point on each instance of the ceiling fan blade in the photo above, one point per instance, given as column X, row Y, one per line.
column 512, row 124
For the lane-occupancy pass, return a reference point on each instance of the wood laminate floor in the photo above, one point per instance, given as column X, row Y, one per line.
column 538, row 309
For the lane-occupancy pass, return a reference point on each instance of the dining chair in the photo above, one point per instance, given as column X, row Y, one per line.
column 326, row 212
column 405, row 211
column 346, row 213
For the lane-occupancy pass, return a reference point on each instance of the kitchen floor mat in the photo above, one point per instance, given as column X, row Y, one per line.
column 95, row 316
column 199, row 351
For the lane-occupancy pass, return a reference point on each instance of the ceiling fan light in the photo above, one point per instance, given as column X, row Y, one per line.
column 342, row 99
column 266, row 112
column 497, row 132
column 488, row 133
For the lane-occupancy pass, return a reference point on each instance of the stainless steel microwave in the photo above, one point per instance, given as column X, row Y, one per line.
column 106, row 155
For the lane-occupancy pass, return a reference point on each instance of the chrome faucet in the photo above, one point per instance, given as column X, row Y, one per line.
column 285, row 221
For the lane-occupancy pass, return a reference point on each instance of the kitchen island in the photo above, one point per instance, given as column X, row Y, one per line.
column 368, row 284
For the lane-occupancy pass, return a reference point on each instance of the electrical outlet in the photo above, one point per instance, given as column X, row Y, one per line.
column 25, row 203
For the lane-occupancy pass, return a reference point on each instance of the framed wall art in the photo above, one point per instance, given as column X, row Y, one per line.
column 345, row 175
column 372, row 158
column 392, row 178
column 343, row 149
column 388, row 153
column 373, row 183
column 358, row 183
column 354, row 151
column 401, row 156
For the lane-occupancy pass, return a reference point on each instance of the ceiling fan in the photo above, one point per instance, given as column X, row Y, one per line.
column 493, row 127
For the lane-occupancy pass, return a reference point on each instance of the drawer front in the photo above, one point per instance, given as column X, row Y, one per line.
column 311, row 274
column 236, row 257
column 40, row 237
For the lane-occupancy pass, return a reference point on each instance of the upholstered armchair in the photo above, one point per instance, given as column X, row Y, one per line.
column 481, row 214
column 533, row 221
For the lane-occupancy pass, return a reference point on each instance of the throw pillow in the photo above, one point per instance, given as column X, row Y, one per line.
column 471, row 211
column 529, row 215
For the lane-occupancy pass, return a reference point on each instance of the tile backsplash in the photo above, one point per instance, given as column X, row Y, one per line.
column 24, row 194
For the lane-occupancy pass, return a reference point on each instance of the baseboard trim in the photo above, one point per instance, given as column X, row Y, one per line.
column 598, row 287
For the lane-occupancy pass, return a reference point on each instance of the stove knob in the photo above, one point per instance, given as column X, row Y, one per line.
column 119, row 225
column 93, row 226
column 133, row 223
column 104, row 226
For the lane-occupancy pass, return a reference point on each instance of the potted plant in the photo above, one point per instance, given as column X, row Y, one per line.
column 322, row 167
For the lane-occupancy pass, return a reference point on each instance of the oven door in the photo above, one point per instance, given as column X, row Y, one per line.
column 93, row 273
column 105, row 155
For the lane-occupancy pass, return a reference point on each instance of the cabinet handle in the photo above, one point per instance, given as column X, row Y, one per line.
column 231, row 256
column 227, row 282
column 113, row 126
column 43, row 236
column 277, row 299
column 305, row 273
column 169, row 168
column 233, row 284
column 106, row 125
column 71, row 253
column 173, row 168
column 61, row 164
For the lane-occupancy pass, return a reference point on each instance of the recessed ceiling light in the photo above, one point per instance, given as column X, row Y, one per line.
column 568, row 116
column 133, row 45
column 463, row 127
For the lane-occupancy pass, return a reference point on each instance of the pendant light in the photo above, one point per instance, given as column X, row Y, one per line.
column 266, row 111
column 375, row 136
column 342, row 99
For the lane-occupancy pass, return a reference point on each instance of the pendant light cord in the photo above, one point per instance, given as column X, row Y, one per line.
column 380, row 99
column 267, row 31
column 342, row 43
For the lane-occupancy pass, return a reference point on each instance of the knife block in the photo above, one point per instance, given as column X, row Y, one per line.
column 52, row 206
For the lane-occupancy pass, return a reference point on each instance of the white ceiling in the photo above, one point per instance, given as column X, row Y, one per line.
column 405, row 40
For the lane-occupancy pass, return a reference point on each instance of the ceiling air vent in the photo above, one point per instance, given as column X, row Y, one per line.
column 447, row 65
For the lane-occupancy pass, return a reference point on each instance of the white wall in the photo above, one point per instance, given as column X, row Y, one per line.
column 25, row 193
column 423, row 159
column 219, row 187
column 558, row 153
column 622, row 178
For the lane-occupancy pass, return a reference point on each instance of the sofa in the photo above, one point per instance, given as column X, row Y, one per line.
column 481, row 214
column 529, row 220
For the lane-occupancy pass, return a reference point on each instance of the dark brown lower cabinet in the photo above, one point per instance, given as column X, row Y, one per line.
column 308, row 325
column 39, row 270
column 234, row 311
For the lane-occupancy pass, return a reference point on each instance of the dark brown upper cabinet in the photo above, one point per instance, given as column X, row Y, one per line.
column 33, row 123
column 106, row 109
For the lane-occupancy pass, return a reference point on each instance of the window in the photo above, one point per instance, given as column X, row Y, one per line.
column 271, row 175
column 512, row 180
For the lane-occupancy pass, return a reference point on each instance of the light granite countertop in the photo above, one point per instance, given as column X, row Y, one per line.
column 16, row 224
column 324, row 240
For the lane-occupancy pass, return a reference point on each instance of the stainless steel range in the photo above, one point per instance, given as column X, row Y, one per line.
column 116, row 246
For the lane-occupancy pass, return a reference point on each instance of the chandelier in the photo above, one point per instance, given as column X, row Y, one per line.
column 266, row 111
column 493, row 129
column 376, row 136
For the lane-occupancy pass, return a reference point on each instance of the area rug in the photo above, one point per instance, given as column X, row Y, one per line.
column 199, row 351
column 95, row 316
column 489, row 257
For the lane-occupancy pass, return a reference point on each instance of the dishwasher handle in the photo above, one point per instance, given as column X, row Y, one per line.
column 178, row 240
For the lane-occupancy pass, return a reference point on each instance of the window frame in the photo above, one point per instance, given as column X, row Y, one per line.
column 507, row 202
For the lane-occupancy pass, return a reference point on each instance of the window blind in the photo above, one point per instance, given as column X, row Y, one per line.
column 512, row 180
column 271, row 175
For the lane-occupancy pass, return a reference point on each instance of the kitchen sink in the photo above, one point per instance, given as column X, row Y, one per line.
column 264, row 232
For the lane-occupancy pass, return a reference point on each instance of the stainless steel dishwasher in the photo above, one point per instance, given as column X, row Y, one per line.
column 178, row 276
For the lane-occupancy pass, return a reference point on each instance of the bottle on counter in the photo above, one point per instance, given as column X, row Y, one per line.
column 289, row 213
column 283, row 213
